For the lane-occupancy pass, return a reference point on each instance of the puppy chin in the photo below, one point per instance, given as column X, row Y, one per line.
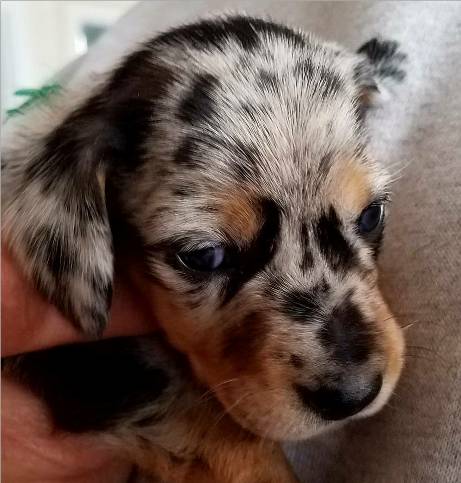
column 381, row 400
column 389, row 383
column 283, row 425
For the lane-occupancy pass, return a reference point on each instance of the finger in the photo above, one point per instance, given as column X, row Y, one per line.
column 30, row 322
column 32, row 451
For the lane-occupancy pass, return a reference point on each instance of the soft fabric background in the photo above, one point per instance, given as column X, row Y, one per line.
column 417, row 438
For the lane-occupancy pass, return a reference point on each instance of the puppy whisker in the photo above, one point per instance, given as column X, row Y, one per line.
column 226, row 411
column 209, row 393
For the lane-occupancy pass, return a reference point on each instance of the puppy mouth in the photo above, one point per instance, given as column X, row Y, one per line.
column 304, row 411
column 337, row 403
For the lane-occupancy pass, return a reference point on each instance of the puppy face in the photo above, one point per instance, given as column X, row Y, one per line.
column 236, row 149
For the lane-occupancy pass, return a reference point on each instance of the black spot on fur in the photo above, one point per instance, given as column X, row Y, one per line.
column 268, row 81
column 242, row 171
column 257, row 113
column 385, row 57
column 330, row 83
column 250, row 111
column 92, row 386
column 248, row 152
column 296, row 361
column 276, row 286
column 186, row 154
column 347, row 334
column 208, row 209
column 52, row 249
column 377, row 50
column 215, row 32
column 247, row 160
column 334, row 247
column 326, row 162
column 307, row 260
column 92, row 212
column 304, row 69
column 258, row 254
column 181, row 192
column 273, row 29
column 304, row 305
column 198, row 106
column 142, row 83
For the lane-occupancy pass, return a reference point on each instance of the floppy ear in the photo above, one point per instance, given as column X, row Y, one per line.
column 55, row 217
column 380, row 65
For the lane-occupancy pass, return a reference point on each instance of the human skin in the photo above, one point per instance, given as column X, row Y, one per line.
column 33, row 451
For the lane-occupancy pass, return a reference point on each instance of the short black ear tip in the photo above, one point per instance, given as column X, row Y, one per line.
column 378, row 50
column 384, row 59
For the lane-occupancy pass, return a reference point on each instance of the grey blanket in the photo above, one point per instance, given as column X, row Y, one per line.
column 417, row 438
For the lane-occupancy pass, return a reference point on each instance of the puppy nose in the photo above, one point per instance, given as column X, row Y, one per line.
column 340, row 401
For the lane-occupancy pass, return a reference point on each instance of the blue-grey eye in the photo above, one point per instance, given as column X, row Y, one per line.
column 371, row 218
column 203, row 260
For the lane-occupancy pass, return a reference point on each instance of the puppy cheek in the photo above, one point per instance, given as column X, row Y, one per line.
column 393, row 348
column 172, row 319
column 251, row 403
column 186, row 335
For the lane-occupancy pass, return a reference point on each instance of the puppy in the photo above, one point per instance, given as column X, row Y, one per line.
column 235, row 151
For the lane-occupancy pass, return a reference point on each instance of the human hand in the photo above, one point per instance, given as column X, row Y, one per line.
column 32, row 450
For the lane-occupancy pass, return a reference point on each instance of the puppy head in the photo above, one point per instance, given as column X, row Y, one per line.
column 236, row 148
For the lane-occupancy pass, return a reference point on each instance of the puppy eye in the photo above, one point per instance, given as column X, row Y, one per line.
column 371, row 218
column 203, row 260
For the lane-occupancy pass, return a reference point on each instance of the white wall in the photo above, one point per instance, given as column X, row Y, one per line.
column 38, row 38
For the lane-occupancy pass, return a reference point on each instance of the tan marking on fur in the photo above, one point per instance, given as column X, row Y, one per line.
column 392, row 341
column 224, row 453
column 238, row 214
column 349, row 187
column 242, row 341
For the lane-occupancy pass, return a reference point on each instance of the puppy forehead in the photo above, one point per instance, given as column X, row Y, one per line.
column 284, row 111
column 275, row 117
column 292, row 106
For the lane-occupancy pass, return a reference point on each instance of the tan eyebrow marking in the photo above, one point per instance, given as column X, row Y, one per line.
column 239, row 214
column 349, row 186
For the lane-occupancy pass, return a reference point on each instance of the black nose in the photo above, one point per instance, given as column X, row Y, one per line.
column 341, row 401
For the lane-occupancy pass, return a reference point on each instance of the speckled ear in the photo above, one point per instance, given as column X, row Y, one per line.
column 380, row 63
column 56, row 221
column 55, row 218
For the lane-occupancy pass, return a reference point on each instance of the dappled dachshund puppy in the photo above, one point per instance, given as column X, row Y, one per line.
column 235, row 150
